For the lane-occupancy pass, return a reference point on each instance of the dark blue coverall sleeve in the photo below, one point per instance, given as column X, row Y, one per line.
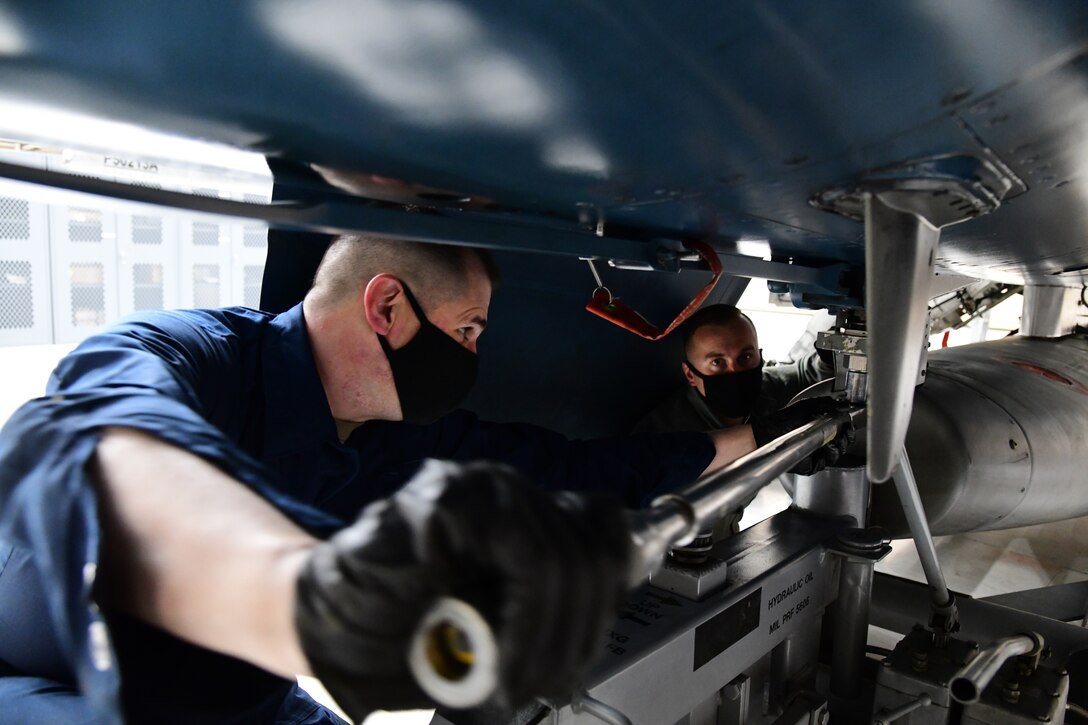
column 137, row 377
column 634, row 468
column 192, row 379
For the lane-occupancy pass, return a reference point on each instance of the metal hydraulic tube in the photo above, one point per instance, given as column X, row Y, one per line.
column 907, row 489
column 968, row 684
column 851, row 625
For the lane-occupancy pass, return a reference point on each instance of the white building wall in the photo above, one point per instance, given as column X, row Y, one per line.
column 68, row 271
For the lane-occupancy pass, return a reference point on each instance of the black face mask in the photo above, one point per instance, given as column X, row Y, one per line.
column 433, row 374
column 732, row 395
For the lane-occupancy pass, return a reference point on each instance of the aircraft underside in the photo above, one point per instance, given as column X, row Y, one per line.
column 866, row 158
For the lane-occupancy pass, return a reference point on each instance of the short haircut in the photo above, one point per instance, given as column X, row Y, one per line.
column 435, row 273
column 720, row 315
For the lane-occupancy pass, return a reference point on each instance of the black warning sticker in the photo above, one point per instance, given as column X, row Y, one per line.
column 716, row 635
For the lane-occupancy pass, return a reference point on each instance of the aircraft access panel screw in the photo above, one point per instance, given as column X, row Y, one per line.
column 919, row 660
column 1011, row 692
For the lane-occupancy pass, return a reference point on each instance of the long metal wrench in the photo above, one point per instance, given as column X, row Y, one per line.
column 454, row 655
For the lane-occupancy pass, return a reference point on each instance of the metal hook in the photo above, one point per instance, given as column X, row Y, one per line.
column 597, row 279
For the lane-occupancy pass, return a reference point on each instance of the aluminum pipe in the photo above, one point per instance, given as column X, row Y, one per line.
column 967, row 685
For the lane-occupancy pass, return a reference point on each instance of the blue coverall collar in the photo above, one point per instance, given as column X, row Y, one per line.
column 297, row 414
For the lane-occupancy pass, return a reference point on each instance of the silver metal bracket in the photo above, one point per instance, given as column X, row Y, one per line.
column 860, row 545
column 904, row 207
column 693, row 582
column 848, row 342
column 950, row 188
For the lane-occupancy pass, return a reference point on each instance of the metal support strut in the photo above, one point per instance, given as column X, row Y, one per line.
column 945, row 616
column 900, row 249
column 860, row 549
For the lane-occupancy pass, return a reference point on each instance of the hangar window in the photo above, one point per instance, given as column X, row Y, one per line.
column 146, row 230
column 14, row 218
column 147, row 287
column 16, row 295
column 88, row 294
column 252, row 285
column 85, row 225
column 254, row 235
column 205, row 234
column 205, row 285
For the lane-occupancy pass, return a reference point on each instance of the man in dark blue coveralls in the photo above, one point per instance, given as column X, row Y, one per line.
column 168, row 512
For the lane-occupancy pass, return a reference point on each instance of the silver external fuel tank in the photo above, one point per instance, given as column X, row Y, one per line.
column 998, row 437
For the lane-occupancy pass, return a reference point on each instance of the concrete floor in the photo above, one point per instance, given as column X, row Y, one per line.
column 980, row 564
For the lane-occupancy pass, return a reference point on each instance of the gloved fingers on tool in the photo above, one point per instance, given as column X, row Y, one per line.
column 359, row 600
column 598, row 526
column 546, row 574
column 509, row 550
column 842, row 444
column 769, row 427
column 561, row 564
column 774, row 425
column 830, row 455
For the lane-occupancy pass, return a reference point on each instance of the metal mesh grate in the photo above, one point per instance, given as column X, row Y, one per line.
column 146, row 230
column 205, row 285
column 147, row 286
column 84, row 225
column 254, row 236
column 88, row 294
column 253, row 275
column 14, row 218
column 205, row 234
column 16, row 295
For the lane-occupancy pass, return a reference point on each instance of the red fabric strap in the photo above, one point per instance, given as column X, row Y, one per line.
column 603, row 304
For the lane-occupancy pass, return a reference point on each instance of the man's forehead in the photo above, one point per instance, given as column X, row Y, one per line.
column 735, row 335
column 472, row 302
column 466, row 296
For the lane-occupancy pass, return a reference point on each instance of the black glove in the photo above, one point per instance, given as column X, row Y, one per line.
column 546, row 572
column 775, row 425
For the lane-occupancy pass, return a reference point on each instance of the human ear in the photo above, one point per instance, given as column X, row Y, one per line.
column 688, row 375
column 379, row 297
